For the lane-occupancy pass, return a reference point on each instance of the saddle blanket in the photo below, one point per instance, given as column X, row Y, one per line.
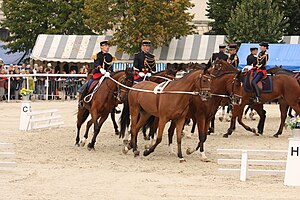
column 266, row 84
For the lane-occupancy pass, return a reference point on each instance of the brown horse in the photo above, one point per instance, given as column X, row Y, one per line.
column 284, row 87
column 223, row 86
column 108, row 95
column 171, row 105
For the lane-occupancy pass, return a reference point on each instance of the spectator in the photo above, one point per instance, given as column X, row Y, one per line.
column 16, row 84
column 74, row 67
column 40, row 84
column 57, row 68
column 66, row 68
column 71, row 82
column 3, row 85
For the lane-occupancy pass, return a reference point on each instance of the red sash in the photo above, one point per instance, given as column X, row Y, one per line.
column 97, row 76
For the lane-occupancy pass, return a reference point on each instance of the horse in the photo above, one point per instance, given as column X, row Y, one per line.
column 143, row 105
column 108, row 95
column 223, row 86
column 283, row 86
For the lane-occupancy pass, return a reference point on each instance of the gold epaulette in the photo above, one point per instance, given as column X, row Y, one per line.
column 94, row 56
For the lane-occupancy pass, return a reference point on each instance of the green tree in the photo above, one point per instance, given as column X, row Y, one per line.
column 256, row 21
column 291, row 11
column 220, row 11
column 135, row 20
column 26, row 19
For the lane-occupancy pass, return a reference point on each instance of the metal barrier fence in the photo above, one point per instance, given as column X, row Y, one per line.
column 51, row 86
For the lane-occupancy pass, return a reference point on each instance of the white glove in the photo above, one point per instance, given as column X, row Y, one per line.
column 141, row 74
column 103, row 71
column 148, row 74
column 107, row 74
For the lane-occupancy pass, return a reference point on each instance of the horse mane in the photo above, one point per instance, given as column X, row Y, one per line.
column 279, row 70
column 186, row 75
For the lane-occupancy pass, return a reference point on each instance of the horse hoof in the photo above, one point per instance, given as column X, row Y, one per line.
column 136, row 153
column 205, row 160
column 189, row 151
column 117, row 132
column 182, row 160
column 146, row 138
column 147, row 146
column 275, row 135
column 253, row 130
column 90, row 147
column 225, row 135
column 146, row 152
column 77, row 144
column 125, row 142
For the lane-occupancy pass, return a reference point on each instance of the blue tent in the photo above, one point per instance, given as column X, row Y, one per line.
column 12, row 58
column 287, row 55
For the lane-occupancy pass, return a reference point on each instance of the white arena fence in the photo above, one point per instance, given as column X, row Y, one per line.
column 6, row 154
column 264, row 159
column 54, row 86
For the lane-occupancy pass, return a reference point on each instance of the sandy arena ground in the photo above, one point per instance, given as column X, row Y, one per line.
column 49, row 166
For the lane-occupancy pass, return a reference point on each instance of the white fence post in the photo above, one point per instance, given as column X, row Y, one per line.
column 244, row 166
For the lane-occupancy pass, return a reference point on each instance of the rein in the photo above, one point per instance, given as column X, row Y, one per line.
column 158, row 92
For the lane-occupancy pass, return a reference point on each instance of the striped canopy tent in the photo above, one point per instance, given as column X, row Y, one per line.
column 79, row 48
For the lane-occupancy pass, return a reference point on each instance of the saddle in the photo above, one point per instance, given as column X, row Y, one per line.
column 265, row 84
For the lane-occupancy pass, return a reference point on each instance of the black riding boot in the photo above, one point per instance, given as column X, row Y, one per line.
column 257, row 94
column 82, row 92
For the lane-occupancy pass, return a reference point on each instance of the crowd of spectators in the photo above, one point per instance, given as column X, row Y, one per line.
column 58, row 87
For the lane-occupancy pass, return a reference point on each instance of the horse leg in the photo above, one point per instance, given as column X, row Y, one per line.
column 141, row 122
column 82, row 115
column 97, row 127
column 290, row 112
column 170, row 135
column 236, row 109
column 179, row 126
column 153, row 130
column 296, row 109
column 85, row 137
column 223, row 113
column 113, row 119
column 240, row 119
column 283, row 111
column 161, row 125
column 211, row 129
column 193, row 127
column 262, row 117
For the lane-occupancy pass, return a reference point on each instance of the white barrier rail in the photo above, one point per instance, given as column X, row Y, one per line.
column 7, row 164
column 245, row 162
column 48, row 117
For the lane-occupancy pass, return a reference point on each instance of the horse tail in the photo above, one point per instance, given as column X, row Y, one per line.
column 124, row 119
column 82, row 115
column 149, row 122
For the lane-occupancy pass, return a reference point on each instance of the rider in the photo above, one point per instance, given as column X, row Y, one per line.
column 144, row 61
column 102, row 64
column 260, row 69
column 233, row 57
column 218, row 56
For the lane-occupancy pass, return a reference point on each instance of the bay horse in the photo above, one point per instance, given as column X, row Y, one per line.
column 108, row 95
column 284, row 87
column 223, row 86
column 170, row 105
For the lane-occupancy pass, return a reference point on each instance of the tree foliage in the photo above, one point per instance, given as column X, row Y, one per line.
column 26, row 19
column 291, row 11
column 256, row 21
column 135, row 20
column 220, row 11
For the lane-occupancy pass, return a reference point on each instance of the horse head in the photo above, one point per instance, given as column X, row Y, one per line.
column 127, row 80
column 222, row 66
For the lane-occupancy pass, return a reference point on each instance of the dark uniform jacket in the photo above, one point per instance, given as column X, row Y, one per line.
column 252, row 60
column 234, row 60
column 217, row 56
column 145, row 62
column 103, row 60
column 263, row 58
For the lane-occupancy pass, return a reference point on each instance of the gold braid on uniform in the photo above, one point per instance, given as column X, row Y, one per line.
column 150, row 62
column 108, row 63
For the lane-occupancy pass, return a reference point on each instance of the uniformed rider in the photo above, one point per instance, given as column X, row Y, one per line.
column 251, row 59
column 102, row 63
column 221, row 55
column 144, row 61
column 260, row 70
column 233, row 57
